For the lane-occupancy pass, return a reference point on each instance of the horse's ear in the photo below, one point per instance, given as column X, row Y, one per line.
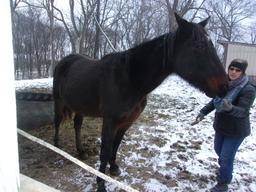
column 180, row 21
column 204, row 22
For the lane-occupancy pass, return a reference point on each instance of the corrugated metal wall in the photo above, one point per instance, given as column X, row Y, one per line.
column 243, row 51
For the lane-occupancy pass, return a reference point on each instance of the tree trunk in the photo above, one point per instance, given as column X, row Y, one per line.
column 97, row 35
column 51, row 12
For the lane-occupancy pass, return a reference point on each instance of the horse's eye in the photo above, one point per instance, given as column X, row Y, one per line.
column 199, row 45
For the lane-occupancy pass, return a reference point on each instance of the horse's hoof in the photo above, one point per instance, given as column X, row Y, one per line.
column 83, row 156
column 56, row 143
column 115, row 171
column 101, row 187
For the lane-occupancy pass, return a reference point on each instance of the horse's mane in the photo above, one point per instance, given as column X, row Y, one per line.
column 155, row 41
column 199, row 37
column 164, row 41
column 198, row 33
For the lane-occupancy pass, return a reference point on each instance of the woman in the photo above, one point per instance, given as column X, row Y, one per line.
column 231, row 122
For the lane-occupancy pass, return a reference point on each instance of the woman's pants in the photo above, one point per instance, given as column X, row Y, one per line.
column 226, row 148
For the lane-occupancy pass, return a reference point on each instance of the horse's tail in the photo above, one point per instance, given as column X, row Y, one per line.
column 60, row 73
column 59, row 76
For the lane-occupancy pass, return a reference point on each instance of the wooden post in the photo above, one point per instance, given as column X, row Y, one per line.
column 9, row 166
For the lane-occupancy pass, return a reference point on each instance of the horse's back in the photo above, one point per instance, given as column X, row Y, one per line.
column 72, row 59
column 62, row 69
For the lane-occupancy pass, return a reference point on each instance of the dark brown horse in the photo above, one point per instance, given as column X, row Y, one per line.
column 116, row 87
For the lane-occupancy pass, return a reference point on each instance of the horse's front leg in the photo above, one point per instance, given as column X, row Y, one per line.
column 120, row 131
column 106, row 149
column 78, row 120
column 114, row 168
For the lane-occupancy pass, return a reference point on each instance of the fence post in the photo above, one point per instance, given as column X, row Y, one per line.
column 9, row 164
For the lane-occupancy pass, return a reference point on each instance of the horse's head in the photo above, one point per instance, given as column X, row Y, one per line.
column 196, row 60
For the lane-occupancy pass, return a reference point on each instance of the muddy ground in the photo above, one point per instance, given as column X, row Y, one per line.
column 50, row 168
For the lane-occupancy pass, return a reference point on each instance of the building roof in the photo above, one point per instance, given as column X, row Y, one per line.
column 236, row 43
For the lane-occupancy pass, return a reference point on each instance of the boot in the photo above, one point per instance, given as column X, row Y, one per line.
column 220, row 187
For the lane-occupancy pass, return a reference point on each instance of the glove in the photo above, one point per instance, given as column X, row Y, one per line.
column 199, row 118
column 226, row 105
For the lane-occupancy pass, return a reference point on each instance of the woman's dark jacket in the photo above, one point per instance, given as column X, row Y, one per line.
column 235, row 122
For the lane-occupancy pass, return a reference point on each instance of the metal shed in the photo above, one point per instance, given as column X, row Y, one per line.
column 246, row 51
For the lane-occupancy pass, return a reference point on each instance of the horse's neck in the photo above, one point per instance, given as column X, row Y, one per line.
column 148, row 64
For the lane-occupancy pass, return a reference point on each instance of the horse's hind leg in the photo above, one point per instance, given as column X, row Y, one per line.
column 78, row 120
column 57, row 120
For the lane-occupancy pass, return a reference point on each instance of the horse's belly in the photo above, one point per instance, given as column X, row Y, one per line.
column 85, row 108
column 89, row 112
column 84, row 101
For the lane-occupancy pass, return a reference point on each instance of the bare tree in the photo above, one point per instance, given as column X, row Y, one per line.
column 80, row 24
column 182, row 7
column 228, row 17
column 252, row 33
column 32, row 43
column 98, row 27
column 48, row 5
column 135, row 20
column 13, row 5
column 97, row 33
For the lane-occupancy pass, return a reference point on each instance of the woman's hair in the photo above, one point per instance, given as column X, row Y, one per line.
column 240, row 64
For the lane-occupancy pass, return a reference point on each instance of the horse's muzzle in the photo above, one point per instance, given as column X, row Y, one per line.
column 217, row 87
column 223, row 90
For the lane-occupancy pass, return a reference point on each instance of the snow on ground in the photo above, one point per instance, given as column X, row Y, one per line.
column 183, row 105
column 168, row 153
